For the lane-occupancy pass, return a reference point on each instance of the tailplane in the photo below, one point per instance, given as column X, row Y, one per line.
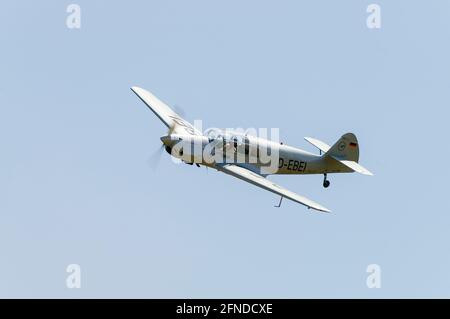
column 346, row 151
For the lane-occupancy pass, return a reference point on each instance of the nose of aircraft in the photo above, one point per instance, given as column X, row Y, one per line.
column 169, row 139
column 165, row 139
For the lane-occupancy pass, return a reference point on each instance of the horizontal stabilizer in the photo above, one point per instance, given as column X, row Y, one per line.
column 354, row 166
column 324, row 147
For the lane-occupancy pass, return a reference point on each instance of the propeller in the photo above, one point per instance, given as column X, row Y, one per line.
column 155, row 158
column 179, row 110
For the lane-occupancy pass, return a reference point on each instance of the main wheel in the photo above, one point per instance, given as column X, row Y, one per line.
column 326, row 183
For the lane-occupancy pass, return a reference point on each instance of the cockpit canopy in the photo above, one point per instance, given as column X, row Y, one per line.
column 227, row 137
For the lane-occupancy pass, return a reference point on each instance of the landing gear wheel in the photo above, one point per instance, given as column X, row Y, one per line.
column 326, row 182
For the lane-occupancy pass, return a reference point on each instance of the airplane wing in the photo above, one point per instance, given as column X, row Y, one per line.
column 171, row 119
column 258, row 180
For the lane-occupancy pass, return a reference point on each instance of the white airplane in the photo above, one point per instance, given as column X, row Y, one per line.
column 187, row 143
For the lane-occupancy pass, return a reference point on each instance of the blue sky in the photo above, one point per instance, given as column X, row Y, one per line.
column 76, row 187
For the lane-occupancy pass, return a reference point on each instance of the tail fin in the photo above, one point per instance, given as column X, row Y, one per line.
column 346, row 148
column 346, row 151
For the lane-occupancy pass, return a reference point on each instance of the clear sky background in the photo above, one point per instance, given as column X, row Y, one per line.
column 76, row 187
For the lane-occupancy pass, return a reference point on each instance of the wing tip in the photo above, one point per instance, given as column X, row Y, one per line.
column 365, row 171
column 320, row 209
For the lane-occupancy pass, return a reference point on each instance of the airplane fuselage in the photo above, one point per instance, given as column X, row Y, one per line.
column 253, row 153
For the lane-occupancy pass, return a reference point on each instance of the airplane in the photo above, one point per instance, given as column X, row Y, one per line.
column 186, row 143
